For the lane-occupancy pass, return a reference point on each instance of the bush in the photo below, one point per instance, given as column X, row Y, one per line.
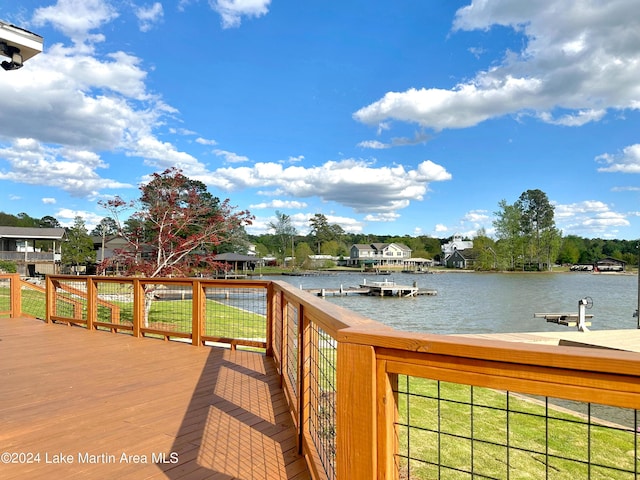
column 7, row 267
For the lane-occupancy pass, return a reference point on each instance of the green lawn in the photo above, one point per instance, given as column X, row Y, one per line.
column 175, row 315
column 477, row 431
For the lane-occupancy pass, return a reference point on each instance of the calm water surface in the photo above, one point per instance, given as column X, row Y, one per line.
column 488, row 302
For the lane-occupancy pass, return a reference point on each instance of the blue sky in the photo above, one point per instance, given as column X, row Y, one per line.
column 389, row 117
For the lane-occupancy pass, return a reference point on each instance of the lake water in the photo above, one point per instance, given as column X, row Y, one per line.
column 487, row 302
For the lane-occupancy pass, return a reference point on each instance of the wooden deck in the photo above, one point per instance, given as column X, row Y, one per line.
column 114, row 406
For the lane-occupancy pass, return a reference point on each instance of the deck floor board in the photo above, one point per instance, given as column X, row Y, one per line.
column 65, row 391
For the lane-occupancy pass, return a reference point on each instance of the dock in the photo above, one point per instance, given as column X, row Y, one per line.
column 566, row 319
column 379, row 289
column 624, row 340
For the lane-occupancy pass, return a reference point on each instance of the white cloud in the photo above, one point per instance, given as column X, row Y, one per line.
column 67, row 216
column 72, row 103
column 468, row 225
column 49, row 201
column 353, row 183
column 626, row 162
column 574, row 67
column 232, row 11
column 419, row 138
column 374, row 144
column 162, row 154
column 589, row 218
column 625, row 189
column 348, row 224
column 279, row 204
column 230, row 157
column 382, row 217
column 71, row 170
column 149, row 16
column 76, row 18
column 477, row 217
column 205, row 141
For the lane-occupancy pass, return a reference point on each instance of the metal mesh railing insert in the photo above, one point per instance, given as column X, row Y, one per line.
column 322, row 414
column 236, row 313
column 291, row 360
column 449, row 430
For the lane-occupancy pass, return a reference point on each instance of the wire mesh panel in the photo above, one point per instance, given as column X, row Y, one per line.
column 291, row 360
column 70, row 300
column 236, row 314
column 277, row 324
column 5, row 297
column 33, row 300
column 322, row 396
column 167, row 308
column 114, row 305
column 448, row 430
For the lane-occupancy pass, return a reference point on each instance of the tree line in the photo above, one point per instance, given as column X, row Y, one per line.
column 526, row 237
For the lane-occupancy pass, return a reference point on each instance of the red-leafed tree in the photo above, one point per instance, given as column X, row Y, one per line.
column 175, row 230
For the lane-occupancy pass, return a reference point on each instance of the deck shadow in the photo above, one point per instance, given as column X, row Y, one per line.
column 237, row 424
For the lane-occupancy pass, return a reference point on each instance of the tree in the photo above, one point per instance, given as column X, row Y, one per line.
column 78, row 249
column 485, row 246
column 570, row 250
column 24, row 220
column 320, row 229
column 49, row 222
column 285, row 232
column 106, row 228
column 302, row 254
column 538, row 225
column 507, row 225
column 175, row 229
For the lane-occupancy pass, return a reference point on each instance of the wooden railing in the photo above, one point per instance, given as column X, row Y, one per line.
column 340, row 372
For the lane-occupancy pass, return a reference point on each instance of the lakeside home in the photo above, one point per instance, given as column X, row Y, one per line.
column 35, row 251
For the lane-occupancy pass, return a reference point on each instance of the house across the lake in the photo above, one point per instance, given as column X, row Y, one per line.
column 35, row 251
column 378, row 254
column 465, row 259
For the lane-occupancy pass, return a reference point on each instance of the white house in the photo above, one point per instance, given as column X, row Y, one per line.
column 457, row 243
column 378, row 254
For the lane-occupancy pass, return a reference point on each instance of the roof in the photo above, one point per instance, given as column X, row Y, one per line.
column 28, row 233
column 379, row 246
column 236, row 257
column 611, row 260
column 467, row 253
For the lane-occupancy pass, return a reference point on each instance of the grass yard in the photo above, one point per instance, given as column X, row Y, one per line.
column 221, row 320
column 498, row 435
column 176, row 315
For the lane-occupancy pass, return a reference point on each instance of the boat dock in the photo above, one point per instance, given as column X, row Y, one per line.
column 380, row 289
column 566, row 319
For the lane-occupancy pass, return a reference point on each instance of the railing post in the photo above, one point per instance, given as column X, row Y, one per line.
column 271, row 316
column 16, row 296
column 138, row 306
column 197, row 320
column 92, row 303
column 356, row 412
column 50, row 299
